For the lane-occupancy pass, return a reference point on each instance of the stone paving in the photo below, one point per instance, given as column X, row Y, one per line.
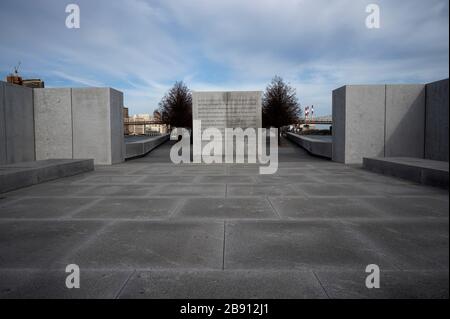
column 151, row 229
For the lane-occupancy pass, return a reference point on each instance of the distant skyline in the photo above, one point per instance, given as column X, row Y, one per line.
column 143, row 47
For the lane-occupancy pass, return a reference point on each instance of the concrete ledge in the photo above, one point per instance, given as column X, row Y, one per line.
column 144, row 146
column 315, row 144
column 15, row 176
column 422, row 171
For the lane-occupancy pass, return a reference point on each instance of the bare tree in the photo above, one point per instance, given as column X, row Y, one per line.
column 280, row 106
column 175, row 107
column 157, row 115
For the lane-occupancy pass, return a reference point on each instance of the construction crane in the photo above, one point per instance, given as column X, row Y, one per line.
column 15, row 78
column 16, row 69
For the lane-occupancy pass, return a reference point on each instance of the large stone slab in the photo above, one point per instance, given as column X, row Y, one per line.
column 339, row 124
column 341, row 178
column 317, row 208
column 229, row 208
column 246, row 284
column 19, row 123
column 405, row 125
column 98, row 125
column 162, row 179
column 225, row 179
column 410, row 244
column 42, row 208
column 203, row 190
column 408, row 207
column 129, row 208
column 53, row 123
column 123, row 190
column 285, row 179
column 401, row 189
column 110, row 179
column 236, row 190
column 393, row 285
column 116, row 131
column 3, row 158
column 436, row 136
column 360, row 120
column 53, row 189
column 51, row 284
column 297, row 245
column 339, row 190
column 41, row 244
column 155, row 245
column 227, row 110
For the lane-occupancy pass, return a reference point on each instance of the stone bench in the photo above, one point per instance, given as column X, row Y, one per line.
column 142, row 147
column 419, row 170
column 19, row 175
column 315, row 144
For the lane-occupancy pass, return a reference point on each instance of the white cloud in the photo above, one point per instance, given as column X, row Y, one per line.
column 75, row 79
column 143, row 47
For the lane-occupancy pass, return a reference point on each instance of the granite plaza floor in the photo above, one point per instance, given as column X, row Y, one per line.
column 151, row 229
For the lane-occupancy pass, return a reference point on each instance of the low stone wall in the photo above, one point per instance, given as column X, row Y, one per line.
column 144, row 146
column 418, row 170
column 19, row 175
column 316, row 145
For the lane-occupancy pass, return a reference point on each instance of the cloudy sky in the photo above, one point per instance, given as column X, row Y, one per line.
column 142, row 47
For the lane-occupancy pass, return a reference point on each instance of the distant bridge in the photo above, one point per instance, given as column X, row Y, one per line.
column 327, row 120
column 142, row 122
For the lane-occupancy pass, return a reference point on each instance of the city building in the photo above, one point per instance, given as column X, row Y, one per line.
column 143, row 124
column 14, row 79
column 33, row 83
column 125, row 113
